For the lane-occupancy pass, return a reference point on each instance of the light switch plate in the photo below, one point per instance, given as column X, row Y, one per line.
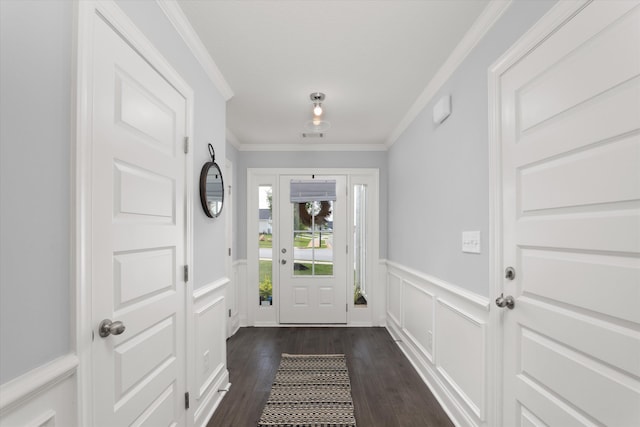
column 471, row 242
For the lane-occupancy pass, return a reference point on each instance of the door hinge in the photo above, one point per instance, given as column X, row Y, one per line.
column 347, row 249
column 186, row 145
column 186, row 400
column 186, row 273
column 229, row 190
column 229, row 312
column 229, row 251
column 347, row 307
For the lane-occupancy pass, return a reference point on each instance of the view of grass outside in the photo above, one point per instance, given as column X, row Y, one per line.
column 305, row 270
column 265, row 241
column 302, row 240
column 266, row 285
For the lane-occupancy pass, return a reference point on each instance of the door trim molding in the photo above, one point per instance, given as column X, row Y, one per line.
column 259, row 316
column 85, row 12
column 539, row 32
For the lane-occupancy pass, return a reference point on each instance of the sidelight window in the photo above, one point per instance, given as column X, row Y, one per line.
column 265, row 244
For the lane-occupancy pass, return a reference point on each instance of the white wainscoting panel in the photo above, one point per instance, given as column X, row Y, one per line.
column 43, row 397
column 210, row 364
column 442, row 329
column 379, row 302
column 394, row 297
column 461, row 354
column 417, row 317
column 234, row 290
column 240, row 274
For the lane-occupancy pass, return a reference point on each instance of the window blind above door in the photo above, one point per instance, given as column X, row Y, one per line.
column 316, row 190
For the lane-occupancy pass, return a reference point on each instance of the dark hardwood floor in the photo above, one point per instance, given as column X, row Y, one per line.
column 386, row 390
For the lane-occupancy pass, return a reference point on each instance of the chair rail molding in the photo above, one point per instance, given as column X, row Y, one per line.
column 42, row 396
column 21, row 389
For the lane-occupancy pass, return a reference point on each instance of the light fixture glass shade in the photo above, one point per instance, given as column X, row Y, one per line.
column 317, row 109
column 316, row 125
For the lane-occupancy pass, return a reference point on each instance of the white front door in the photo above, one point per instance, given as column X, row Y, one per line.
column 138, row 238
column 570, row 129
column 312, row 255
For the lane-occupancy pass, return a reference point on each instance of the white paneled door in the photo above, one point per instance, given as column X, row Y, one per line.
column 570, row 129
column 312, row 256
column 138, row 238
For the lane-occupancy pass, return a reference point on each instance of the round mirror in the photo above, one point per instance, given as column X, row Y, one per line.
column 211, row 187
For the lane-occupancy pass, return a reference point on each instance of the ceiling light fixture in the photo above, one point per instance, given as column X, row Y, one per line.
column 317, row 98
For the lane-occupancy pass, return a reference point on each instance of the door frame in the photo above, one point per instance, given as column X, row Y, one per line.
column 287, row 276
column 559, row 14
column 269, row 316
column 85, row 12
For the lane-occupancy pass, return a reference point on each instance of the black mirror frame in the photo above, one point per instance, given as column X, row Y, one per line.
column 203, row 185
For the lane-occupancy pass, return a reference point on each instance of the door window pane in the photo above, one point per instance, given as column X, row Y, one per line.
column 313, row 238
column 359, row 245
column 265, row 244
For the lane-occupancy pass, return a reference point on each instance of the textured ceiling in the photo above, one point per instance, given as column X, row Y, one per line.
column 372, row 59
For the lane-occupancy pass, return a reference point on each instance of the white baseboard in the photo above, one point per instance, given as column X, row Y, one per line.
column 235, row 324
column 211, row 400
column 427, row 316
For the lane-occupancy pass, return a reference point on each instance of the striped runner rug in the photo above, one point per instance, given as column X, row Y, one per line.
column 310, row 390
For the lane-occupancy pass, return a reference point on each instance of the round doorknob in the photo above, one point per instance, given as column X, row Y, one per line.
column 283, row 262
column 507, row 301
column 107, row 327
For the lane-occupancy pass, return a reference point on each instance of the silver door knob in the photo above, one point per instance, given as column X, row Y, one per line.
column 507, row 301
column 107, row 327
column 283, row 262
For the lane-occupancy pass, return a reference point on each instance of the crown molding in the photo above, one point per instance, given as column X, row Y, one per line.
column 233, row 139
column 182, row 25
column 491, row 13
column 312, row 147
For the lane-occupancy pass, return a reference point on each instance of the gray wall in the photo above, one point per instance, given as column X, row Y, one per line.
column 35, row 134
column 35, row 151
column 439, row 175
column 306, row 159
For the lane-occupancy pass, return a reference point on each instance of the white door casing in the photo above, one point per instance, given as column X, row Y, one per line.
column 319, row 299
column 139, row 238
column 232, row 291
column 568, row 133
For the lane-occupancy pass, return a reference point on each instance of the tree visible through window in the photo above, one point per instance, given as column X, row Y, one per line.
column 313, row 238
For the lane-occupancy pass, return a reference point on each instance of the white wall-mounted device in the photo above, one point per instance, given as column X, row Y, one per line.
column 442, row 109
